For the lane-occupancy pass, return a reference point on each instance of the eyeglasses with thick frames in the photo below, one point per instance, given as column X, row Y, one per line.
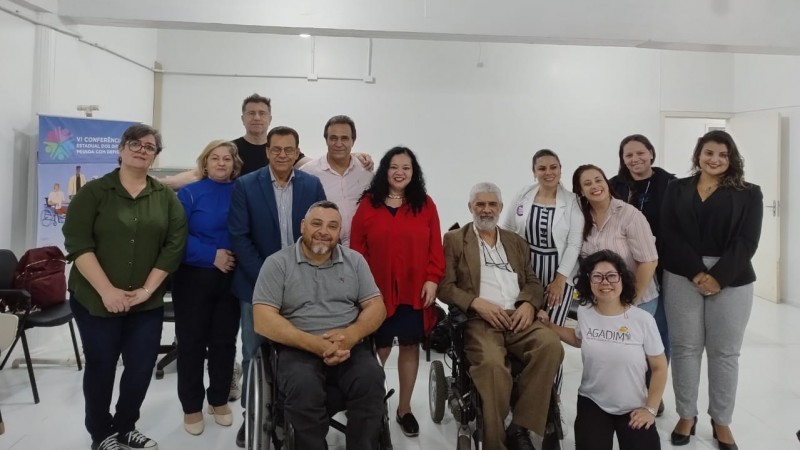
column 289, row 151
column 611, row 277
column 137, row 146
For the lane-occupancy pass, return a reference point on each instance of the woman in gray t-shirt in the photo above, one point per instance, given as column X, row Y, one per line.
column 618, row 342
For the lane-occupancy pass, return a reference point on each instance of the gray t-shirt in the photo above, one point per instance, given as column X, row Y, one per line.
column 614, row 351
column 315, row 299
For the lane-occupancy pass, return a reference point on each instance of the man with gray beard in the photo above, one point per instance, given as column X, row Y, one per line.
column 488, row 275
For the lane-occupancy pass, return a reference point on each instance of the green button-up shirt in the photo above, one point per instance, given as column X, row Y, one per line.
column 130, row 236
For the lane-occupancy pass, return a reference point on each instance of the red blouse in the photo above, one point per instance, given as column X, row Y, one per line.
column 403, row 251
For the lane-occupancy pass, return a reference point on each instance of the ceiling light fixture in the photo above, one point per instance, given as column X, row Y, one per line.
column 305, row 35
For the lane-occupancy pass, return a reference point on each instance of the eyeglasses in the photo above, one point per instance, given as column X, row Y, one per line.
column 138, row 146
column 611, row 277
column 488, row 259
column 289, row 151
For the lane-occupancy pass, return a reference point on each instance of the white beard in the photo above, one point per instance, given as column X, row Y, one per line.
column 484, row 223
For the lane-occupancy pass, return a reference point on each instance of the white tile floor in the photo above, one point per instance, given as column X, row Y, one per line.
column 767, row 414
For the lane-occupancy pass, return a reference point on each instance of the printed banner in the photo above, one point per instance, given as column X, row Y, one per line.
column 72, row 152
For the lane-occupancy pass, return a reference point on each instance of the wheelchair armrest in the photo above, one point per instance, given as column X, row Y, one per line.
column 457, row 316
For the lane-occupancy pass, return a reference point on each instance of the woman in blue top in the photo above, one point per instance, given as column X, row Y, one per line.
column 206, row 312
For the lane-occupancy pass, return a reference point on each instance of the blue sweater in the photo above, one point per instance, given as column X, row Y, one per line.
column 206, row 203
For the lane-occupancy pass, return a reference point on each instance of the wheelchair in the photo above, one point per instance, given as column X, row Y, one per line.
column 460, row 395
column 265, row 427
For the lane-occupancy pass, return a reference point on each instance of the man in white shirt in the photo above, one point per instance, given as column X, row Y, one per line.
column 488, row 275
column 343, row 177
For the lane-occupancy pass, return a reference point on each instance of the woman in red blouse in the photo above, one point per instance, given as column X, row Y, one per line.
column 396, row 228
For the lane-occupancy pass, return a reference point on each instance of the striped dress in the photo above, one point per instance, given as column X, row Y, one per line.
column 544, row 259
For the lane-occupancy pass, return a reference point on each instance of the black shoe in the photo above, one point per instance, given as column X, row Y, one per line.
column 135, row 440
column 660, row 411
column 408, row 424
column 682, row 439
column 109, row 443
column 240, row 437
column 720, row 444
column 517, row 438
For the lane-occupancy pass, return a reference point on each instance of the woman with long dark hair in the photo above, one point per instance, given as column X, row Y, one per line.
column 618, row 343
column 711, row 223
column 396, row 228
column 611, row 224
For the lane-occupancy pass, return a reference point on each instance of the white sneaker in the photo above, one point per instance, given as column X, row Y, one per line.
column 236, row 386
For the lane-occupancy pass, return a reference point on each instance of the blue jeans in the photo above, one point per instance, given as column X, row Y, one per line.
column 251, row 341
column 137, row 337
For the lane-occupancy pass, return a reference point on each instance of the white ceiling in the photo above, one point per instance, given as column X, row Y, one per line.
column 745, row 26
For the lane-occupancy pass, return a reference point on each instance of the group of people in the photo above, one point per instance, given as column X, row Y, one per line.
column 319, row 255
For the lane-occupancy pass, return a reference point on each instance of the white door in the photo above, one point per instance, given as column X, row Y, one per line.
column 758, row 136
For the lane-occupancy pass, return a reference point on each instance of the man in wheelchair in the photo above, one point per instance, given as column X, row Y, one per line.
column 317, row 301
column 488, row 275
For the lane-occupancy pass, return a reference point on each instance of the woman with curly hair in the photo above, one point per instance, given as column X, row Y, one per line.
column 711, row 225
column 618, row 342
column 396, row 228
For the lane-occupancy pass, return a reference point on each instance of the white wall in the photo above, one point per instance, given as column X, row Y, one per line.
column 770, row 83
column 16, row 50
column 467, row 123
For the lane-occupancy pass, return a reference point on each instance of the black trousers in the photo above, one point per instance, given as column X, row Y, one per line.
column 206, row 323
column 303, row 379
column 595, row 428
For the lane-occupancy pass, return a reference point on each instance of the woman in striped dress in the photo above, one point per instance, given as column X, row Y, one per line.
column 548, row 217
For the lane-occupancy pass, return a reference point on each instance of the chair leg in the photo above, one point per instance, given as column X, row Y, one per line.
column 10, row 349
column 29, row 364
column 75, row 346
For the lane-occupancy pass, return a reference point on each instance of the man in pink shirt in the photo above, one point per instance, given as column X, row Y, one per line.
column 343, row 177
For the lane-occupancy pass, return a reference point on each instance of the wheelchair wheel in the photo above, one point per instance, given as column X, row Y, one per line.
column 464, row 443
column 437, row 391
column 258, row 415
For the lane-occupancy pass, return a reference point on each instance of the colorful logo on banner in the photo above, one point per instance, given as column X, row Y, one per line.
column 59, row 144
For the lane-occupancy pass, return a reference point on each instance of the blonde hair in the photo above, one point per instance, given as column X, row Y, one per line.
column 202, row 160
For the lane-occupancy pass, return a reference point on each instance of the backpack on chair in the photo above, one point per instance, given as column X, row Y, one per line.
column 40, row 271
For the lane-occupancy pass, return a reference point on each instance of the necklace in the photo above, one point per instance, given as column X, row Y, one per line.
column 395, row 197
column 709, row 188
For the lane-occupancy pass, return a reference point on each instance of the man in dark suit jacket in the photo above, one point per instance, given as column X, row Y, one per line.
column 488, row 275
column 265, row 213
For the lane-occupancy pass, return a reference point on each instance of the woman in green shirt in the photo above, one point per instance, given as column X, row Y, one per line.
column 125, row 232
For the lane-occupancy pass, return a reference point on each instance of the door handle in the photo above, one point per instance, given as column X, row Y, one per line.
column 774, row 207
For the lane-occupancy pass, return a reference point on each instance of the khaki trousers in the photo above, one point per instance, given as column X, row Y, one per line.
column 541, row 353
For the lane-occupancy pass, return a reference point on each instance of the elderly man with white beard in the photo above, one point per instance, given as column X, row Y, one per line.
column 488, row 275
column 317, row 301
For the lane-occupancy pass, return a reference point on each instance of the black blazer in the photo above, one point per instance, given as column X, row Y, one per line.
column 681, row 234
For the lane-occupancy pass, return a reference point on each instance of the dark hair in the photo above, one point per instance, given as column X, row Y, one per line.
column 544, row 152
column 624, row 174
column 583, row 283
column 340, row 120
column 327, row 204
column 586, row 208
column 378, row 189
column 255, row 98
column 283, row 131
column 734, row 176
column 136, row 132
